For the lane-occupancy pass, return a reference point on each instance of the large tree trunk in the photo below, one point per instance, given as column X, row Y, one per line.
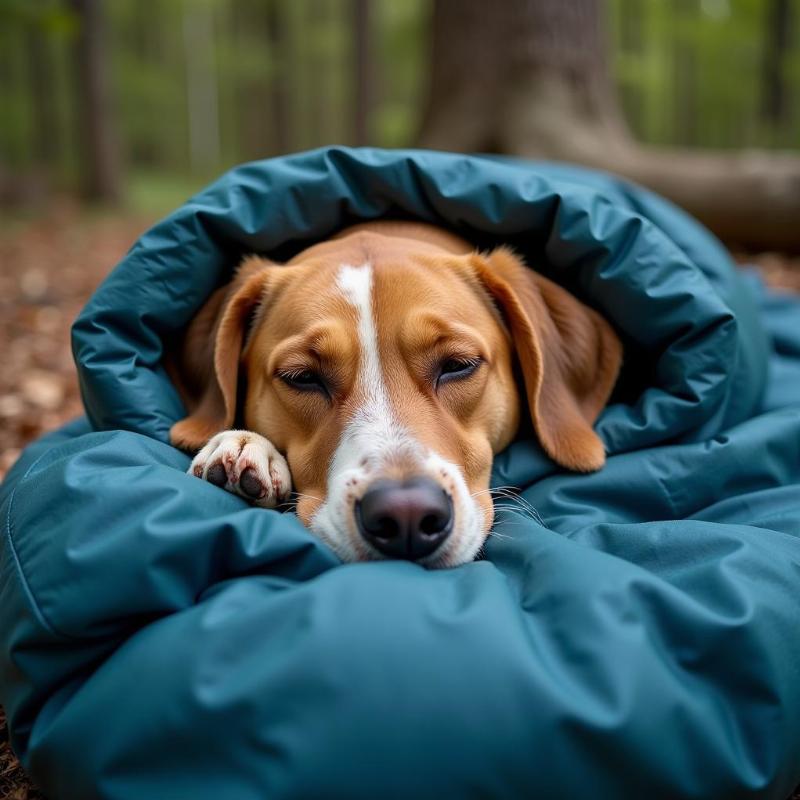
column 531, row 78
column 101, row 165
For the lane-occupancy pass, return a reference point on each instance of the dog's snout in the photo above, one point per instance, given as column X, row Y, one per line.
column 405, row 519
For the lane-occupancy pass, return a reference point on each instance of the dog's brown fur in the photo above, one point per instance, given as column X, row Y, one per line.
column 434, row 298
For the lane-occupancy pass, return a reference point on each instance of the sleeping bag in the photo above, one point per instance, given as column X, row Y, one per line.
column 629, row 633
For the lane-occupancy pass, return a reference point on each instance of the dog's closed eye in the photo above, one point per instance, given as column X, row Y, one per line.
column 455, row 369
column 305, row 380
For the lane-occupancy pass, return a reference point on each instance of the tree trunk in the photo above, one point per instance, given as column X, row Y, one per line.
column 46, row 142
column 279, row 100
column 531, row 78
column 316, row 19
column 775, row 98
column 202, row 93
column 97, row 134
column 685, row 75
column 362, row 71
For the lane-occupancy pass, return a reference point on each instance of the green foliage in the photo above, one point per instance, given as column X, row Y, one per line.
column 155, row 193
column 401, row 29
column 690, row 72
column 52, row 16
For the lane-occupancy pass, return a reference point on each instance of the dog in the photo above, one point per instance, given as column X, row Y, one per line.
column 374, row 373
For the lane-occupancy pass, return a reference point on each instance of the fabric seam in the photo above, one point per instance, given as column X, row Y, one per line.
column 38, row 613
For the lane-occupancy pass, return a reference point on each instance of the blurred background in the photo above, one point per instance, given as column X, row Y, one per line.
column 138, row 104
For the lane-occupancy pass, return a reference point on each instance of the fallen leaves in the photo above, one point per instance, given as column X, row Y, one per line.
column 14, row 784
column 48, row 269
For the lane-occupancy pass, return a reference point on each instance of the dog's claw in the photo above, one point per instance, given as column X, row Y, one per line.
column 246, row 464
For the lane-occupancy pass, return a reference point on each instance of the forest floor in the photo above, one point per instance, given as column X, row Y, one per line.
column 48, row 269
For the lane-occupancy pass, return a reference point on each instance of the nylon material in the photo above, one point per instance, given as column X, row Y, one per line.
column 752, row 457
column 620, row 646
column 451, row 201
column 106, row 477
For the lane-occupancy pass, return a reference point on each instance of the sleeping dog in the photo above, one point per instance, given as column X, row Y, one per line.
column 374, row 374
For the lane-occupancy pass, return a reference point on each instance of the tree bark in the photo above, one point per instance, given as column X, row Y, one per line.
column 362, row 71
column 531, row 78
column 684, row 67
column 279, row 100
column 202, row 93
column 775, row 97
column 46, row 141
column 97, row 133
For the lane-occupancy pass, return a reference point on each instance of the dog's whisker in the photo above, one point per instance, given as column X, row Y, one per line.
column 523, row 510
column 522, row 503
column 526, row 505
column 301, row 496
column 535, row 517
column 512, row 523
column 511, row 507
column 498, row 535
column 503, row 494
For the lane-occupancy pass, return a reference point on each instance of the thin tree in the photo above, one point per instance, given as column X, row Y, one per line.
column 97, row 130
column 279, row 95
column 532, row 78
column 46, row 129
column 362, row 66
column 202, row 92
column 775, row 97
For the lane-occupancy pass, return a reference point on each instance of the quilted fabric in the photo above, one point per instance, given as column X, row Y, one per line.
column 634, row 633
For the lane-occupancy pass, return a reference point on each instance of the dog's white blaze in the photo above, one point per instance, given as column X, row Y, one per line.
column 373, row 432
column 374, row 438
column 356, row 285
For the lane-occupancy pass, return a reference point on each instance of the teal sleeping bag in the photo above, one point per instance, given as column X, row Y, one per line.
column 629, row 633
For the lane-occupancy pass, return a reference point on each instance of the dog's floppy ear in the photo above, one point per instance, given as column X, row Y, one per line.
column 205, row 368
column 569, row 355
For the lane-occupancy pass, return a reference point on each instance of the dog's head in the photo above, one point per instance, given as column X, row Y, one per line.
column 381, row 362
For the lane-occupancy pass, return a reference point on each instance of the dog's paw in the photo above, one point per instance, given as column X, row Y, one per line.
column 246, row 464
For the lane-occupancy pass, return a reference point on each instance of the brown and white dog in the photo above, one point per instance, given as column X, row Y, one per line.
column 374, row 372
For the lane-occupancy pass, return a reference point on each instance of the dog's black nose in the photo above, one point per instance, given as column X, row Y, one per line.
column 405, row 519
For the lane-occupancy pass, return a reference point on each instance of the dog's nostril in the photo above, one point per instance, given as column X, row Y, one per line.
column 405, row 519
column 385, row 527
column 432, row 524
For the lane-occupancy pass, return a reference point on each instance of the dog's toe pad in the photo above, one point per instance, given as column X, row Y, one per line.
column 216, row 474
column 250, row 483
